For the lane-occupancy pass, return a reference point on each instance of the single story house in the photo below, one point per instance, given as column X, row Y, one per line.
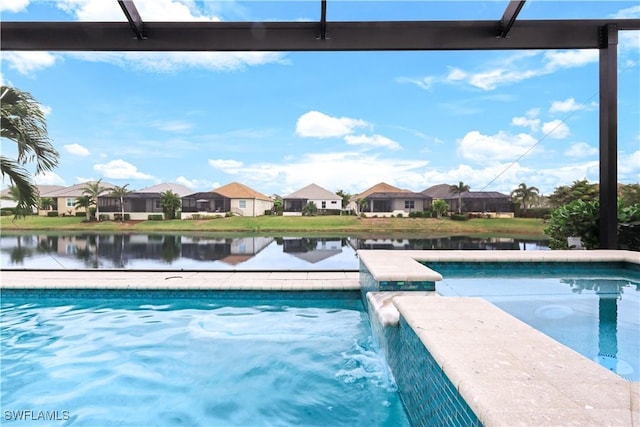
column 490, row 202
column 234, row 197
column 386, row 200
column 325, row 200
column 141, row 203
column 64, row 199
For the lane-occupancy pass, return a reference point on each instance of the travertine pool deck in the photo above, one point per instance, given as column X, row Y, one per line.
column 509, row 373
column 154, row 280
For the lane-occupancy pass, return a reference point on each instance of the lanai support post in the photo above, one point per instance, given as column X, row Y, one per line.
column 608, row 136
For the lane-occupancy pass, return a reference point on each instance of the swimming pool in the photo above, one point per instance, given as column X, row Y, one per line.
column 192, row 358
column 593, row 309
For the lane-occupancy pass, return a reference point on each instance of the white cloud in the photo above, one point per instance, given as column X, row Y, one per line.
column 556, row 129
column 13, row 5
column 531, row 123
column 119, row 169
column 173, row 126
column 150, row 10
column 49, row 178
column 456, row 74
column 629, row 166
column 28, row 62
column 76, row 150
column 172, row 62
column 628, row 13
column 373, row 140
column 566, row 106
column 556, row 59
column 491, row 149
column 581, row 149
column 226, row 165
column 424, row 83
column 489, row 80
column 319, row 125
column 197, row 184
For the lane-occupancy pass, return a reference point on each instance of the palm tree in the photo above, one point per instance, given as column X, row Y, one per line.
column 93, row 190
column 120, row 192
column 85, row 202
column 22, row 121
column 525, row 195
column 46, row 203
column 459, row 189
column 170, row 203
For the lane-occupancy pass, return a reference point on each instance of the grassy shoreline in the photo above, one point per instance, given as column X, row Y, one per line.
column 320, row 225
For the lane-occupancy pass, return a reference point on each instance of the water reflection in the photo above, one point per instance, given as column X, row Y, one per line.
column 183, row 251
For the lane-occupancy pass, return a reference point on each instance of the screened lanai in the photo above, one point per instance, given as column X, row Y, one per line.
column 416, row 32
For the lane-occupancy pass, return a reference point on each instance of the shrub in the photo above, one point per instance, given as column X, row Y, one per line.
column 459, row 217
column 155, row 217
column 105, row 217
column 6, row 211
column 52, row 213
column 576, row 219
column 82, row 214
column 228, row 214
column 267, row 211
column 399, row 215
column 534, row 213
column 118, row 217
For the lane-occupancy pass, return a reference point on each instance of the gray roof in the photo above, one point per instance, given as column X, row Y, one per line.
column 75, row 190
column 313, row 192
column 441, row 191
column 179, row 189
column 398, row 195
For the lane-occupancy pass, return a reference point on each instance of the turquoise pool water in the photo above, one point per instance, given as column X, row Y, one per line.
column 593, row 310
column 120, row 359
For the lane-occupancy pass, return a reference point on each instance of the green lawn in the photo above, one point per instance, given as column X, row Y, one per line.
column 414, row 227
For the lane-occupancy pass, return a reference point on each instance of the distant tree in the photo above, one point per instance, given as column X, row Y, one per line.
column 85, row 202
column 93, row 190
column 13, row 193
column 361, row 205
column 170, row 203
column 629, row 194
column 277, row 206
column 46, row 203
column 439, row 207
column 525, row 195
column 579, row 190
column 458, row 190
column 309, row 209
column 120, row 192
column 346, row 198
column 23, row 121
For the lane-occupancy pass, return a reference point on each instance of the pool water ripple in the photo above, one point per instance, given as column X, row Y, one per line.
column 216, row 364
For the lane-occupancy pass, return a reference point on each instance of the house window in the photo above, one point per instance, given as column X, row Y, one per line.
column 71, row 202
column 242, row 204
column 157, row 203
column 324, row 204
column 333, row 202
column 409, row 204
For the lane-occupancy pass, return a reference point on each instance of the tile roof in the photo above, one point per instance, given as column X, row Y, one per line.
column 179, row 189
column 75, row 190
column 313, row 191
column 235, row 190
column 387, row 191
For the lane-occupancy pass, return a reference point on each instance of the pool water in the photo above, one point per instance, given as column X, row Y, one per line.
column 211, row 361
column 598, row 316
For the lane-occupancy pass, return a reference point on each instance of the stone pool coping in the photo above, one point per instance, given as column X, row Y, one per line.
column 390, row 265
column 177, row 280
column 508, row 372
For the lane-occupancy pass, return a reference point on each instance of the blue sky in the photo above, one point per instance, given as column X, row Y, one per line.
column 278, row 121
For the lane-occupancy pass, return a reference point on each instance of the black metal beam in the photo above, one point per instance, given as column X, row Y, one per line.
column 302, row 36
column 509, row 16
column 609, row 137
column 323, row 20
column 135, row 21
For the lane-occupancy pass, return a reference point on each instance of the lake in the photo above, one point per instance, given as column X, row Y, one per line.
column 79, row 251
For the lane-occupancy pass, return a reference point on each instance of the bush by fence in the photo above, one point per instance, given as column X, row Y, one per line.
column 155, row 217
column 458, row 217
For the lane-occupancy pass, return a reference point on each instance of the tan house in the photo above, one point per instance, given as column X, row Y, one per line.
column 236, row 198
column 64, row 199
column 385, row 200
